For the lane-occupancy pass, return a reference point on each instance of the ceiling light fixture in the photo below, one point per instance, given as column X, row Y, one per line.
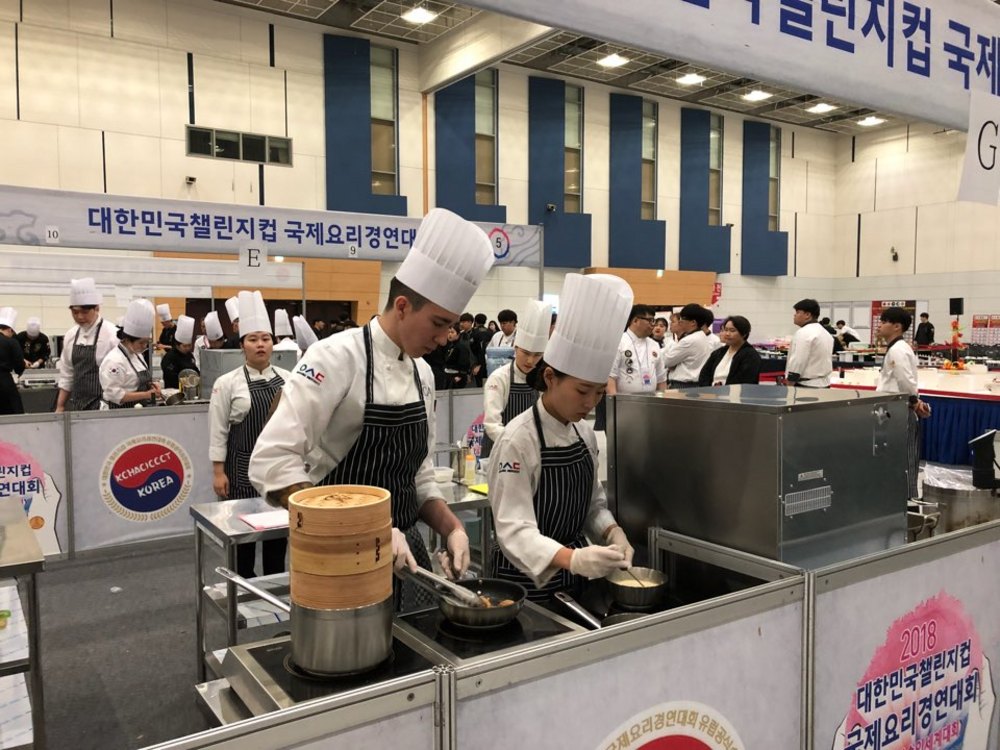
column 757, row 96
column 870, row 121
column 418, row 15
column 613, row 60
column 821, row 109
column 690, row 79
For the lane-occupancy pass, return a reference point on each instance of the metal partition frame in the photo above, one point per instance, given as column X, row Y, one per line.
column 388, row 714
column 886, row 586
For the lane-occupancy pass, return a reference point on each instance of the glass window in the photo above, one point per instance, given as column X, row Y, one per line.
column 486, row 141
column 254, row 147
column 649, row 136
column 279, row 151
column 774, row 188
column 383, row 122
column 573, row 147
column 715, row 171
column 227, row 144
column 199, row 141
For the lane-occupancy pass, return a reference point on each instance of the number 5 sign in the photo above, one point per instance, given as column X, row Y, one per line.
column 501, row 243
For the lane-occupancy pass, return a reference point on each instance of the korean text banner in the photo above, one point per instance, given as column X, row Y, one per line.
column 30, row 216
column 918, row 58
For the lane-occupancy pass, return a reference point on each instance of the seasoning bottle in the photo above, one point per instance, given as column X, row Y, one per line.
column 470, row 467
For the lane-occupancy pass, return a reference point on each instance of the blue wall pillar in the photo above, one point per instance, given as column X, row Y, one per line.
column 633, row 242
column 702, row 247
column 567, row 236
column 348, row 115
column 765, row 253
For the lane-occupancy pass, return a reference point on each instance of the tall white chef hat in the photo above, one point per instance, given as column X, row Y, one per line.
column 282, row 326
column 164, row 312
column 185, row 330
column 34, row 326
column 448, row 260
column 8, row 316
column 533, row 326
column 305, row 336
column 139, row 316
column 593, row 312
column 213, row 328
column 253, row 314
column 83, row 292
column 233, row 308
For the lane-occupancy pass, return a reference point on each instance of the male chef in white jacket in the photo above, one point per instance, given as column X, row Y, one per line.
column 810, row 353
column 359, row 408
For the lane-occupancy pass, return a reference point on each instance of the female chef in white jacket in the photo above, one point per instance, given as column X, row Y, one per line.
column 237, row 413
column 125, row 378
column 546, row 498
column 507, row 393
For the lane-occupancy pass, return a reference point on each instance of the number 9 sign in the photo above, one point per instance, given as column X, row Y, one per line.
column 501, row 243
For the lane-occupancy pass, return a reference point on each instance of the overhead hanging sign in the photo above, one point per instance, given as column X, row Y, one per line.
column 918, row 58
column 981, row 166
column 113, row 222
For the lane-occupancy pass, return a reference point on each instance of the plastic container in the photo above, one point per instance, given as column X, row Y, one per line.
column 443, row 474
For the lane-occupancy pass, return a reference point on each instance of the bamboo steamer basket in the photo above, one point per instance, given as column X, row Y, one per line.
column 340, row 541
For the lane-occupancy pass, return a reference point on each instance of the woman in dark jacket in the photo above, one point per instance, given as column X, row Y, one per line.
column 734, row 364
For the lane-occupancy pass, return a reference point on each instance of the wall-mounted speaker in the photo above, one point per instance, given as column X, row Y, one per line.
column 956, row 306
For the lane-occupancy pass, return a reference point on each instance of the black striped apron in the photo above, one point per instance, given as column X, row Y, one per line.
column 86, row 393
column 388, row 453
column 912, row 439
column 145, row 381
column 520, row 398
column 561, row 503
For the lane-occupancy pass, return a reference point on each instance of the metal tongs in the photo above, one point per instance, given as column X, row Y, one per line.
column 434, row 583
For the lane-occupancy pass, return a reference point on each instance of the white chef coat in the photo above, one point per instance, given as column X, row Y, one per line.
column 685, row 360
column 199, row 343
column 495, row 393
column 515, row 468
column 117, row 375
column 714, row 340
column 899, row 369
column 722, row 369
column 322, row 407
column 107, row 342
column 810, row 354
column 848, row 329
column 230, row 404
column 644, row 358
column 286, row 345
column 501, row 339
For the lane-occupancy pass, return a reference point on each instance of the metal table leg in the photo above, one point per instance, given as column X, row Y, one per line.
column 199, row 546
column 35, row 658
column 231, row 594
column 486, row 537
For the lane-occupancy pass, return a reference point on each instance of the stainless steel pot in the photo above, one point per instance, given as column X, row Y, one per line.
column 638, row 588
column 962, row 507
column 329, row 642
column 474, row 616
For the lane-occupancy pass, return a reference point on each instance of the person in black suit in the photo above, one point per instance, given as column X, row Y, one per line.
column 734, row 363
column 925, row 331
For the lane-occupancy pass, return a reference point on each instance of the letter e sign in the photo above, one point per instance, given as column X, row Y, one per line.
column 253, row 259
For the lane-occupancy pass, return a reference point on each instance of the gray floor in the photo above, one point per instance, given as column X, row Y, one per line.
column 118, row 648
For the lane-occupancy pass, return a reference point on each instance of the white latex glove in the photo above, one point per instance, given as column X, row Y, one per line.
column 616, row 538
column 401, row 555
column 596, row 562
column 456, row 562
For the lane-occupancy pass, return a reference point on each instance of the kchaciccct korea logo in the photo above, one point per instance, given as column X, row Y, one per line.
column 146, row 478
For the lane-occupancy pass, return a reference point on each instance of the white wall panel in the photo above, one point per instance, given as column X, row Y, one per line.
column 267, row 100
column 595, row 203
column 936, row 238
column 221, row 93
column 119, row 86
column 8, row 78
column 815, row 249
column 843, row 261
column 81, row 166
column 90, row 17
column 255, row 44
column 934, row 174
column 815, row 146
column 883, row 231
column 821, row 187
column 668, row 162
column 48, row 76
column 246, row 183
column 51, row 13
column 794, row 184
column 893, row 188
column 298, row 48
column 173, row 90
column 292, row 187
column 786, row 224
column 132, row 164
column 207, row 28
column 976, row 235
column 855, row 187
column 10, row 10
column 214, row 176
column 32, row 157
column 670, row 210
column 306, row 119
column 410, row 129
column 881, row 143
column 411, row 185
column 321, row 187
column 732, row 169
column 512, row 146
column 143, row 21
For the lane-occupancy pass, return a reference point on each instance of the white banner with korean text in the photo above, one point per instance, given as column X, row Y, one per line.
column 31, row 216
column 918, row 58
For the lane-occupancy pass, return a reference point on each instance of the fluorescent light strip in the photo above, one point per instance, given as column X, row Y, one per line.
column 870, row 121
column 613, row 60
column 757, row 96
column 690, row 79
column 821, row 109
column 418, row 16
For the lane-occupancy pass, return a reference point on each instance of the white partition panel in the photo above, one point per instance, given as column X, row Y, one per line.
column 467, row 413
column 910, row 639
column 33, row 468
column 742, row 677
column 134, row 474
